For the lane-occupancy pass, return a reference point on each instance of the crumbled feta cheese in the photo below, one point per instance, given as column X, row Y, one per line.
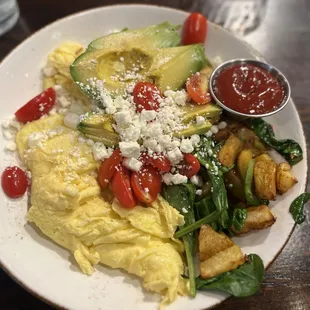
column 197, row 180
column 200, row 120
column 63, row 101
column 214, row 129
column 198, row 192
column 132, row 164
column 90, row 142
column 77, row 108
column 52, row 112
column 72, row 120
column 100, row 151
column 49, row 71
column 7, row 134
column 175, row 143
column 148, row 115
column 167, row 178
column 195, row 139
column 122, row 118
column 63, row 111
column 209, row 134
column 81, row 139
column 150, row 144
column 146, row 189
column 165, row 141
column 15, row 124
column 184, row 210
column 35, row 139
column 6, row 123
column 178, row 178
column 130, row 149
column 222, row 125
column 175, row 156
column 186, row 146
column 11, row 146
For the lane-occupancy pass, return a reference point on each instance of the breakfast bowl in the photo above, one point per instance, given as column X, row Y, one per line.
column 244, row 87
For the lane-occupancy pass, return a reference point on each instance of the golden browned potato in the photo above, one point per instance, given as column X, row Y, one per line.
column 243, row 160
column 218, row 253
column 257, row 218
column 265, row 179
column 263, row 157
column 285, row 180
column 230, row 150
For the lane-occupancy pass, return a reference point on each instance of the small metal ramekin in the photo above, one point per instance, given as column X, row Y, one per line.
column 274, row 71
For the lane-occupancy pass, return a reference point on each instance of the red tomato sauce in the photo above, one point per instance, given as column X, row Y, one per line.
column 248, row 89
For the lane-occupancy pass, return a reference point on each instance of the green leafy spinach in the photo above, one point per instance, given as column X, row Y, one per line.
column 288, row 148
column 238, row 218
column 241, row 282
column 297, row 208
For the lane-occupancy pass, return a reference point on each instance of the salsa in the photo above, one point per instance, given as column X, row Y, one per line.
column 248, row 89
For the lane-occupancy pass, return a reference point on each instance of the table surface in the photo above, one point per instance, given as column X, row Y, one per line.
column 283, row 38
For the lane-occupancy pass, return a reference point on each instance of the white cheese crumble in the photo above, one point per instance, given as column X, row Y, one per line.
column 198, row 192
column 175, row 156
column 100, row 152
column 200, row 120
column 35, row 139
column 132, row 164
column 197, row 180
column 186, row 146
column 148, row 115
column 49, row 71
column 72, row 120
column 11, row 146
column 177, row 178
column 130, row 149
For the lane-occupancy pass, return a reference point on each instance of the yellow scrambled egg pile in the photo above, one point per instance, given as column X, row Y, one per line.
column 68, row 206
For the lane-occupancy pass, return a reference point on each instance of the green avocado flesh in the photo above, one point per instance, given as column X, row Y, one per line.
column 166, row 67
column 98, row 127
column 151, row 37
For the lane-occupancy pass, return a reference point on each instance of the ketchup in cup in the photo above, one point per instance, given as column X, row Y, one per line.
column 248, row 89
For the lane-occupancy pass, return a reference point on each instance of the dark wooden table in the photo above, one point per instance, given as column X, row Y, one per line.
column 284, row 39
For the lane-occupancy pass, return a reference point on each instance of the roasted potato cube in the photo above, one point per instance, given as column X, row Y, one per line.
column 263, row 157
column 230, row 150
column 218, row 253
column 265, row 179
column 243, row 160
column 285, row 180
column 257, row 218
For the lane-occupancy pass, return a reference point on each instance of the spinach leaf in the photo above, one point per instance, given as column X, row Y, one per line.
column 288, row 148
column 241, row 282
column 297, row 208
column 181, row 197
column 204, row 208
column 238, row 218
column 251, row 199
column 219, row 193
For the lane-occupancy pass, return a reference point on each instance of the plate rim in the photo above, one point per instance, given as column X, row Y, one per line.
column 32, row 291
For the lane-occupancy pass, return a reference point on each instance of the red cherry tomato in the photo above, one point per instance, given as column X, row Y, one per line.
column 14, row 182
column 146, row 184
column 194, row 29
column 192, row 165
column 121, row 187
column 159, row 161
column 197, row 88
column 37, row 106
column 108, row 168
column 146, row 96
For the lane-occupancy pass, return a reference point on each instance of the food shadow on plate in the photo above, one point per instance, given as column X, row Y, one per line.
column 129, row 279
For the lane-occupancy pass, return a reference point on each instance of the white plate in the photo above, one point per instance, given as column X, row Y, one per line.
column 48, row 270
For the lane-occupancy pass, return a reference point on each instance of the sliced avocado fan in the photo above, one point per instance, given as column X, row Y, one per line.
column 151, row 37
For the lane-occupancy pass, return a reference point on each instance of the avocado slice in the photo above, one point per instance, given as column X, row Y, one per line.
column 209, row 111
column 173, row 74
column 155, row 36
column 98, row 127
column 194, row 129
column 118, row 68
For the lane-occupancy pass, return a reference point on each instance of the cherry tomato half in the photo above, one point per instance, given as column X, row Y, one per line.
column 159, row 161
column 146, row 184
column 121, row 187
column 108, row 168
column 146, row 96
column 197, row 88
column 192, row 165
column 14, row 182
column 37, row 106
column 194, row 29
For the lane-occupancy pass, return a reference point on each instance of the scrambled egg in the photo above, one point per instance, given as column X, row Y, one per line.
column 68, row 207
column 59, row 61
